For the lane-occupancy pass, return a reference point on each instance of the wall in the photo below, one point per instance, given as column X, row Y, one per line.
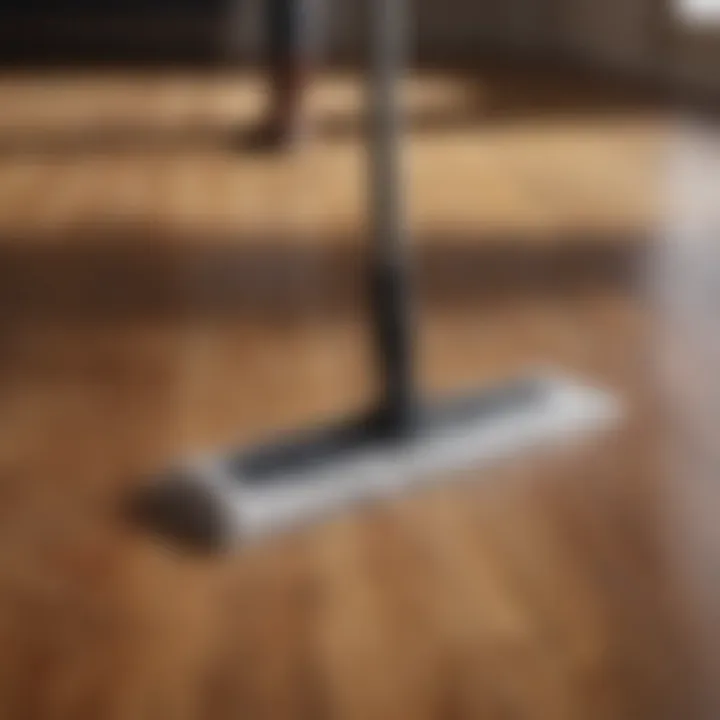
column 643, row 37
column 697, row 60
column 440, row 28
column 629, row 36
column 615, row 33
column 445, row 29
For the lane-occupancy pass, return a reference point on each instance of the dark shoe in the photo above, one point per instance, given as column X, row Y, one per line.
column 274, row 138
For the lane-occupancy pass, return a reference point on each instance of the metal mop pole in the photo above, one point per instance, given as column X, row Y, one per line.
column 389, row 270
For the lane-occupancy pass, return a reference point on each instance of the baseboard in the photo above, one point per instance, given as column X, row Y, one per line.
column 198, row 38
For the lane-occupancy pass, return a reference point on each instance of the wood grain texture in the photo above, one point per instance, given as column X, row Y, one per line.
column 566, row 585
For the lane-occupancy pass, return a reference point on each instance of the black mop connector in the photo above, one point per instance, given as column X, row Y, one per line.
column 178, row 509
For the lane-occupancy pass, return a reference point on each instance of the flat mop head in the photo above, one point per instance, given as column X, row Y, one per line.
column 229, row 498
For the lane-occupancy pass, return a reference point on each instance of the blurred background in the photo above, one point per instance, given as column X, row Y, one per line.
column 165, row 288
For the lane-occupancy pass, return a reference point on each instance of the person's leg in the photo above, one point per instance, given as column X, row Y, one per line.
column 287, row 26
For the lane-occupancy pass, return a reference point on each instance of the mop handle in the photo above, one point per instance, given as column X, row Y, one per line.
column 387, row 33
column 389, row 286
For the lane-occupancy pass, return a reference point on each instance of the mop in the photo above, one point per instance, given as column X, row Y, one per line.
column 239, row 495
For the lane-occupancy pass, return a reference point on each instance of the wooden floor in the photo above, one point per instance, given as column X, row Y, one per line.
column 556, row 221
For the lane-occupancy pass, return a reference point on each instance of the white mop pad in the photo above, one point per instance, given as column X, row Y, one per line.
column 563, row 410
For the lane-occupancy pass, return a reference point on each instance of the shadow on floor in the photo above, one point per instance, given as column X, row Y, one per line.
column 103, row 273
